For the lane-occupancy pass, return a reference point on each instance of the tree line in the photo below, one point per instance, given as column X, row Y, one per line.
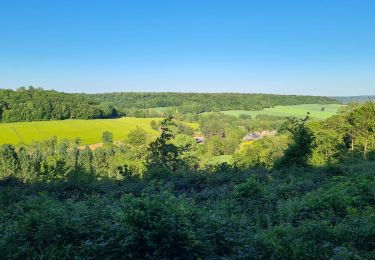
column 204, row 102
column 33, row 104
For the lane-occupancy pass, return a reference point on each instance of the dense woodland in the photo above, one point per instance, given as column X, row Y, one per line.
column 306, row 193
column 37, row 104
column 205, row 102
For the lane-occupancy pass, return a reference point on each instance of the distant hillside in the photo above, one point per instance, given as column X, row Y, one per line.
column 316, row 111
column 37, row 104
column 205, row 102
column 359, row 99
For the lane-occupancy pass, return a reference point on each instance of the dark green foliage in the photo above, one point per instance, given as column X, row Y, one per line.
column 162, row 153
column 37, row 104
column 8, row 161
column 222, row 214
column 161, row 226
column 137, row 137
column 204, row 102
column 301, row 148
column 107, row 137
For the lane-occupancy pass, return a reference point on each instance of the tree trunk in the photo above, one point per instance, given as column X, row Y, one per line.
column 365, row 148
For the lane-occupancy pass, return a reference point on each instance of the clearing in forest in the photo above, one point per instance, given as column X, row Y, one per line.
column 89, row 131
column 317, row 111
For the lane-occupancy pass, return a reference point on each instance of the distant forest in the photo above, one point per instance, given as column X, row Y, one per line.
column 33, row 104
column 358, row 99
column 37, row 104
column 205, row 102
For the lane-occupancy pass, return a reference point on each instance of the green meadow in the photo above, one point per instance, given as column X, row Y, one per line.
column 317, row 111
column 89, row 131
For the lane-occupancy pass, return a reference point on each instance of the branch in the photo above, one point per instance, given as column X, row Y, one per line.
column 372, row 105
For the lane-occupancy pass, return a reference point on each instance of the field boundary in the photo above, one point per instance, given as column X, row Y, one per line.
column 17, row 134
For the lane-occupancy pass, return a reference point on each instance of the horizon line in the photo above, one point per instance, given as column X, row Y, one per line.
column 188, row 92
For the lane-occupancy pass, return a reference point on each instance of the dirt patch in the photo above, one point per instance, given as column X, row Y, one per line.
column 98, row 145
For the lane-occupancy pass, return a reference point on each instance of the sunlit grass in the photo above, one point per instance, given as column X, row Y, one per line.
column 89, row 131
column 316, row 111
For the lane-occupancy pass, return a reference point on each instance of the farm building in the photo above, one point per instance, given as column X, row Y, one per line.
column 258, row 135
column 252, row 136
column 199, row 138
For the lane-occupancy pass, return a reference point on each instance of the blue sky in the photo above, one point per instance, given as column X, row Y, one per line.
column 289, row 47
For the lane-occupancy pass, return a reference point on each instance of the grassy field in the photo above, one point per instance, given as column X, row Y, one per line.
column 296, row 110
column 89, row 131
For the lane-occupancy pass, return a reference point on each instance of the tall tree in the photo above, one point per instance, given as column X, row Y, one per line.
column 299, row 151
column 137, row 137
column 162, row 153
column 107, row 137
column 8, row 161
column 362, row 124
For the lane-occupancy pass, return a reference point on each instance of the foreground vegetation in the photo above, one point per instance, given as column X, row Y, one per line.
column 307, row 193
column 317, row 213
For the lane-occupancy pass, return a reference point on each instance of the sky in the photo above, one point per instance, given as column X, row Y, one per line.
column 312, row 47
